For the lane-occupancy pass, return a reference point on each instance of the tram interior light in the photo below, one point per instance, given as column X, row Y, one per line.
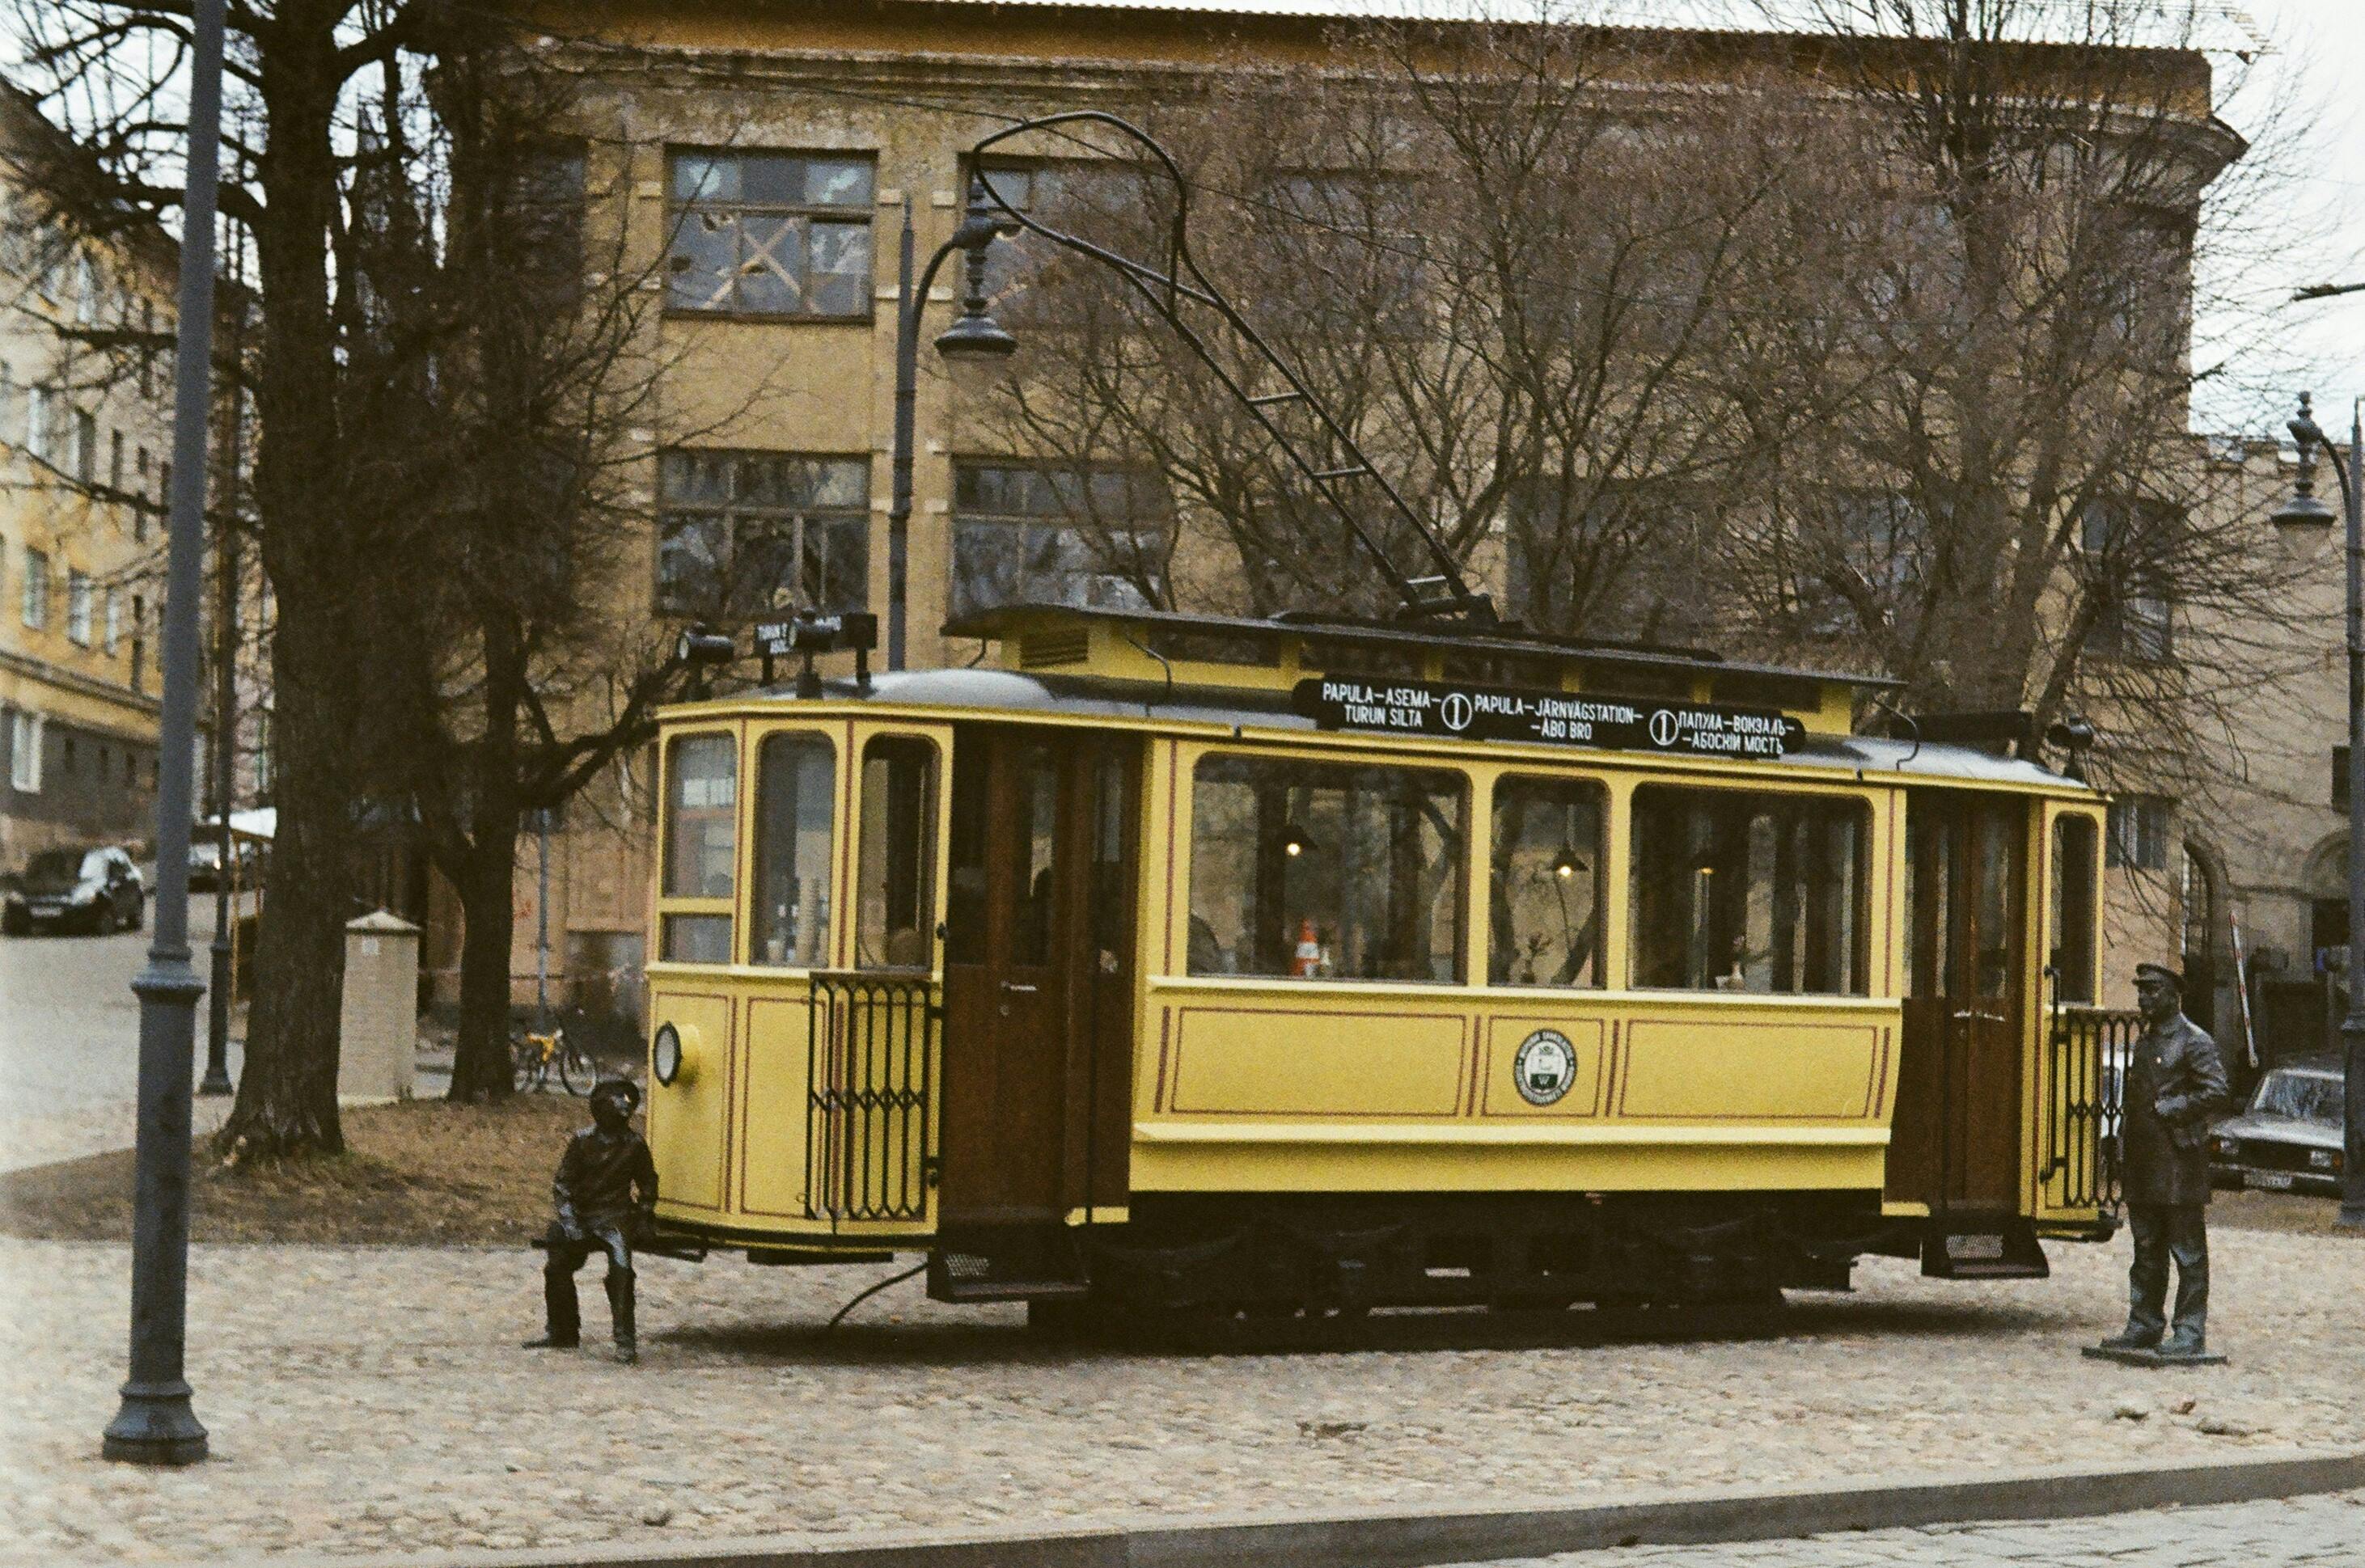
column 1566, row 864
column 1295, row 840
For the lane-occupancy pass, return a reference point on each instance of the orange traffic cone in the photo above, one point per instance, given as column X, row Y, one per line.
column 1309, row 950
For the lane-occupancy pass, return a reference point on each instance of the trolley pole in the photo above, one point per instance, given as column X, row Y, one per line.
column 155, row 1423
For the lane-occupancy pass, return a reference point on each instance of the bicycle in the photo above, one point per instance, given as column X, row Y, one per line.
column 533, row 1056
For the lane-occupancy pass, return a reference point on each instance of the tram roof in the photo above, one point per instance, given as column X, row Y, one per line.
column 1016, row 692
column 1008, row 623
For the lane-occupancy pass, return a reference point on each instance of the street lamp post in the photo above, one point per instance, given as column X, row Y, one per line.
column 154, row 1424
column 2306, row 517
column 974, row 336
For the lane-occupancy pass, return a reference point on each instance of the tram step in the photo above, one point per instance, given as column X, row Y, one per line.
column 1998, row 1247
column 1011, row 1289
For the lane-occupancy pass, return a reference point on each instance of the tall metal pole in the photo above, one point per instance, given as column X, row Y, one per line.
column 899, row 504
column 225, row 757
column 2352, row 1028
column 154, row 1424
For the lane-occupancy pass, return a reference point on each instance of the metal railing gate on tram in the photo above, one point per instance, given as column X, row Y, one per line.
column 872, row 1068
column 2087, row 1051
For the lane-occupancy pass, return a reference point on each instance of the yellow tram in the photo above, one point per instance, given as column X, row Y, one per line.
column 1195, row 964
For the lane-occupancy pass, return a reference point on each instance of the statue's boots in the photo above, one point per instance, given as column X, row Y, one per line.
column 562, row 1318
column 620, row 1310
column 2184, row 1345
column 2134, row 1337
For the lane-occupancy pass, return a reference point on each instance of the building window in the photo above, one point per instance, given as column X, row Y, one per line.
column 1736, row 890
column 795, row 798
column 2138, row 833
column 25, row 752
column 1544, row 924
column 1025, row 534
column 115, row 462
column 757, row 533
column 85, row 289
column 114, row 619
column 34, row 607
column 1325, row 871
column 41, row 412
column 2126, row 545
column 139, row 641
column 85, row 446
column 770, row 234
column 78, row 607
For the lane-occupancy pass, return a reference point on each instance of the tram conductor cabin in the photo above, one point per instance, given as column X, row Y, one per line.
column 1181, row 964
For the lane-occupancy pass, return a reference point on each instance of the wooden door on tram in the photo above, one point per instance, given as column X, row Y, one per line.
column 1956, row 1136
column 1039, row 965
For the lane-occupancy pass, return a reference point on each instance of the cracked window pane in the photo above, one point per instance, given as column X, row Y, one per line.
column 701, row 266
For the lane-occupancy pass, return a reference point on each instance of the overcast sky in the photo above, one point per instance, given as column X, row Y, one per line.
column 2323, row 42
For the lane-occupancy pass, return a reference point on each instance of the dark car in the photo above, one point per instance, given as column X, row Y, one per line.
column 2290, row 1136
column 96, row 890
column 205, row 860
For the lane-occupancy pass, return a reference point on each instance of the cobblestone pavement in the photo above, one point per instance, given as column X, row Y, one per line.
column 369, row 1399
column 2280, row 1534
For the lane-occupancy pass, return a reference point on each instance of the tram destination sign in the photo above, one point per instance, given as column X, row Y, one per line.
column 1544, row 718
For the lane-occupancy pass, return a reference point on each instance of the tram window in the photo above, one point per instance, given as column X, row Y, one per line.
column 1326, row 872
column 1544, row 898
column 893, row 905
column 2073, row 909
column 1739, row 891
column 700, row 844
column 1038, row 802
column 794, row 797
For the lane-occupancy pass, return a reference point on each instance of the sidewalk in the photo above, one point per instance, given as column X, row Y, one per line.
column 372, row 1401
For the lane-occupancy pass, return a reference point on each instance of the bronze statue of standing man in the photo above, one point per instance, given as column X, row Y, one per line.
column 2174, row 1085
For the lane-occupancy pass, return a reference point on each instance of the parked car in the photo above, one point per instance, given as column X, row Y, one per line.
column 2289, row 1137
column 206, row 858
column 96, row 889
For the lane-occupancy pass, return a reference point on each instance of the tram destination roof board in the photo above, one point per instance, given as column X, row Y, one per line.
column 1546, row 718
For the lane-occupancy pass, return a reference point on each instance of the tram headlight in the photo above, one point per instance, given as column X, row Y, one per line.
column 665, row 1055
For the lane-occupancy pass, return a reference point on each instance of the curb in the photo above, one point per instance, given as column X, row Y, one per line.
column 1381, row 1538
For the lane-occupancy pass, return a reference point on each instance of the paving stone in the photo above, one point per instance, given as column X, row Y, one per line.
column 374, row 1399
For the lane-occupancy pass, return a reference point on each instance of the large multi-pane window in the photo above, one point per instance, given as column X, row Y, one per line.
column 745, row 533
column 1746, row 890
column 1544, row 895
column 78, row 600
column 795, row 799
column 1028, row 534
column 770, row 234
column 1325, row 871
column 702, row 840
column 2127, row 547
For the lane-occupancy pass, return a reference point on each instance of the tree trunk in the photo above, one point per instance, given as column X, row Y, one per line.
column 287, row 1089
column 487, row 877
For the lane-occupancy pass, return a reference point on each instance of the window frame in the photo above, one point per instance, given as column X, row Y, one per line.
column 1870, row 986
column 734, row 513
column 1156, row 527
column 748, row 863
column 2125, row 841
column 667, row 904
column 1466, row 949
column 682, row 210
column 1599, row 849
column 936, row 810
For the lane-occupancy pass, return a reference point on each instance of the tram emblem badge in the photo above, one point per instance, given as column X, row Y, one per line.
column 1544, row 1067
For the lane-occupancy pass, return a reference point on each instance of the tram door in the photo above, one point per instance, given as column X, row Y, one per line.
column 1038, row 965
column 1955, row 1142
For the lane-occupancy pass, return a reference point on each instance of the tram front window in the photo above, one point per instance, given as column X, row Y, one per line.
column 1736, row 890
column 795, row 795
column 1545, row 900
column 1324, row 871
column 701, row 845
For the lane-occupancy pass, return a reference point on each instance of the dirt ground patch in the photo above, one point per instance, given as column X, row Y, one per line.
column 2300, row 1214
column 425, row 1172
